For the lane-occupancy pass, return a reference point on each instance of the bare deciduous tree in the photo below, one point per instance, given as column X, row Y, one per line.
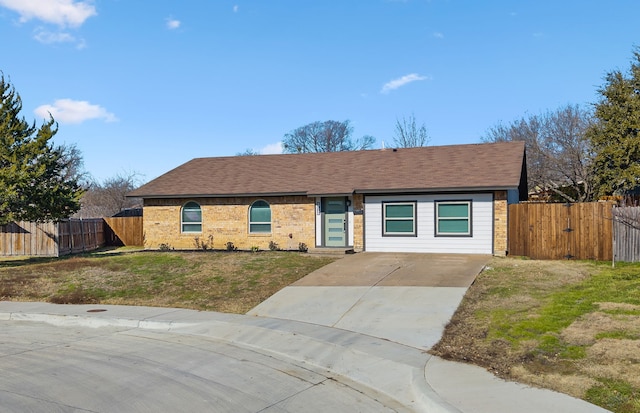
column 248, row 152
column 109, row 197
column 409, row 135
column 559, row 157
column 73, row 164
column 327, row 136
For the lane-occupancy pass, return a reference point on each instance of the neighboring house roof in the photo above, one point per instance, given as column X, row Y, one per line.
column 489, row 166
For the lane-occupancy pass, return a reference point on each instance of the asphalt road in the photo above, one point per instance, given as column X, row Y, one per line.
column 47, row 368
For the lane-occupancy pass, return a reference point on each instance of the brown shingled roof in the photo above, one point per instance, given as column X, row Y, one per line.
column 425, row 169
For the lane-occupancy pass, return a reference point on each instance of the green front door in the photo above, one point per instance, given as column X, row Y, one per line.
column 335, row 222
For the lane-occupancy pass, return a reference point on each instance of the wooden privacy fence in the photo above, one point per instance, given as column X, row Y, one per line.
column 51, row 239
column 561, row 231
column 69, row 236
column 626, row 229
column 79, row 235
column 124, row 231
column 29, row 238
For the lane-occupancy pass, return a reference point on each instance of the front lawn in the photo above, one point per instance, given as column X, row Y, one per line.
column 231, row 282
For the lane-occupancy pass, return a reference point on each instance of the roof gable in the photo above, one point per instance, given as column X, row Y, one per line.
column 424, row 169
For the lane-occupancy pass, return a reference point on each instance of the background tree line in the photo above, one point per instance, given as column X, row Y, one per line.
column 579, row 154
column 573, row 153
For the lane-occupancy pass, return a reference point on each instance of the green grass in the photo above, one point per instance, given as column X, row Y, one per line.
column 566, row 305
column 618, row 335
column 615, row 395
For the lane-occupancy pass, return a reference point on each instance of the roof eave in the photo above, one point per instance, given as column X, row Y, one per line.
column 330, row 194
column 176, row 196
column 436, row 190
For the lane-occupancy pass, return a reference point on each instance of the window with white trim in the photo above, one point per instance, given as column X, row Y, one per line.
column 191, row 217
column 453, row 218
column 399, row 219
column 259, row 217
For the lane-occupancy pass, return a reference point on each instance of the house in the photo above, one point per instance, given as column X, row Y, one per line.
column 439, row 199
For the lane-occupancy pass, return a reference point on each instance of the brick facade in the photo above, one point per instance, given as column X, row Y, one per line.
column 358, row 222
column 227, row 220
column 500, row 223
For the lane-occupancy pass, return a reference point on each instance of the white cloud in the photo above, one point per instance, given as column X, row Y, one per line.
column 173, row 24
column 272, row 149
column 235, row 8
column 401, row 81
column 47, row 37
column 438, row 35
column 61, row 12
column 74, row 111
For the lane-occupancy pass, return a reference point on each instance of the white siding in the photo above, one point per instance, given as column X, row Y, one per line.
column 318, row 222
column 481, row 241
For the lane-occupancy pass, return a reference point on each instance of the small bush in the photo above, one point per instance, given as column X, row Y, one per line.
column 231, row 247
column 202, row 245
column 273, row 246
column 255, row 248
column 302, row 247
column 165, row 247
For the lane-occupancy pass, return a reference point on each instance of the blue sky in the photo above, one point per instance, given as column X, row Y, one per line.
column 143, row 86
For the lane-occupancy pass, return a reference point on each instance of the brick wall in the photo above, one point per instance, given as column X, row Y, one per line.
column 358, row 223
column 500, row 223
column 227, row 220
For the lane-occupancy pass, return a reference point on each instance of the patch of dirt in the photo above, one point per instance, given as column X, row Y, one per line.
column 618, row 307
column 584, row 331
column 575, row 385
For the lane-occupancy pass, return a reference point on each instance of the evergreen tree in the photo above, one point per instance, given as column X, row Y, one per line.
column 32, row 170
column 615, row 137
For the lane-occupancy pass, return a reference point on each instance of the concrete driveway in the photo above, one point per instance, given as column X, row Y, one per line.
column 404, row 298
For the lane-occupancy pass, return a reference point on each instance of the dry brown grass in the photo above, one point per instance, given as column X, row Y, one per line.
column 231, row 282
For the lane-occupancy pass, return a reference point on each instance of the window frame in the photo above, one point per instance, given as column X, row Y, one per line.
column 385, row 219
column 438, row 219
column 250, row 222
column 183, row 222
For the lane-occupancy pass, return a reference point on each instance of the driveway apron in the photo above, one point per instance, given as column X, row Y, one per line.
column 404, row 298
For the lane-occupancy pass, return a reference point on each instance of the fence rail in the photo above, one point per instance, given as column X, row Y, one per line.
column 561, row 231
column 626, row 243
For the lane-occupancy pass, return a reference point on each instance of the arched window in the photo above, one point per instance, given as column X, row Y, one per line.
column 191, row 217
column 259, row 217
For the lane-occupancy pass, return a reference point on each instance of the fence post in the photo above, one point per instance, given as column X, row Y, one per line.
column 613, row 238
